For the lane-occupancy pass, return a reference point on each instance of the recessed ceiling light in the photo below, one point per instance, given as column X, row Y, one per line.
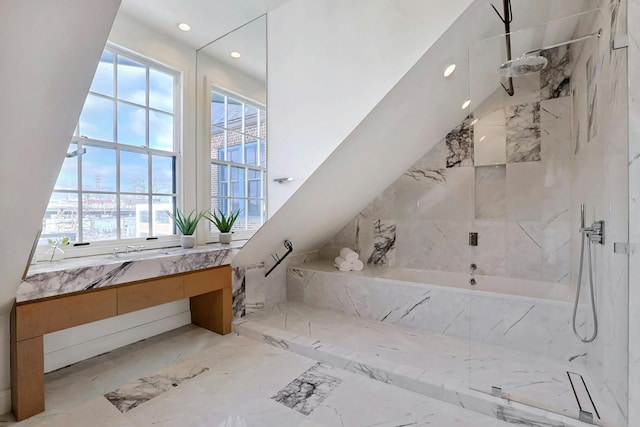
column 235, row 54
column 466, row 104
column 184, row 26
column 449, row 70
column 474, row 121
column 483, row 138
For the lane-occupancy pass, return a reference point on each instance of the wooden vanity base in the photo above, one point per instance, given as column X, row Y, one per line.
column 209, row 292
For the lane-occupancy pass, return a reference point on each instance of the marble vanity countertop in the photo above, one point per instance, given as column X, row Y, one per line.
column 82, row 274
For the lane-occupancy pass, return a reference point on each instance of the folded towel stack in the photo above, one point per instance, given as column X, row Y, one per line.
column 348, row 261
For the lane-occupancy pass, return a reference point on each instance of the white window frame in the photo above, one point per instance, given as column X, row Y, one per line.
column 211, row 232
column 106, row 246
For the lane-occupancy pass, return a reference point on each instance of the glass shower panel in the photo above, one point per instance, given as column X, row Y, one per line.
column 558, row 142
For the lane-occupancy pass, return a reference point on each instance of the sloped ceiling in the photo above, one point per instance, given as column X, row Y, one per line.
column 49, row 55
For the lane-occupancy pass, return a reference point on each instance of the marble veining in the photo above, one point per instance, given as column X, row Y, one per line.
column 384, row 241
column 82, row 274
column 592, row 98
column 460, row 144
column 239, row 291
column 429, row 364
column 308, row 391
column 555, row 78
column 146, row 388
column 523, row 133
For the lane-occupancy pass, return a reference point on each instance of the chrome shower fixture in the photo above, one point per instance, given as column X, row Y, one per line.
column 528, row 63
column 592, row 235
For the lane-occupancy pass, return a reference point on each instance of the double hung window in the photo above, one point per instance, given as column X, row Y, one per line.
column 120, row 174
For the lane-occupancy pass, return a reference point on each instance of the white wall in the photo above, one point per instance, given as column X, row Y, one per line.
column 44, row 78
column 330, row 62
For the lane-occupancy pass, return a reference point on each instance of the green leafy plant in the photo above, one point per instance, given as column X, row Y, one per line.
column 54, row 243
column 223, row 222
column 186, row 223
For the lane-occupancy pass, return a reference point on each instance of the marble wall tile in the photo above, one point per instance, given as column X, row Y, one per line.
column 460, row 144
column 555, row 78
column 489, row 133
column 523, row 132
column 451, row 201
column 525, row 191
column 491, row 192
column 255, row 290
column 384, row 243
column 491, row 253
column 592, row 98
column 556, row 249
column 524, row 257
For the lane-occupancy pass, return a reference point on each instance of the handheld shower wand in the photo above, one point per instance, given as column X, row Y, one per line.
column 593, row 234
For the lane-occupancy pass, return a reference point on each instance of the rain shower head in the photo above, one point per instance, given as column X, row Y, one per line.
column 528, row 63
column 522, row 66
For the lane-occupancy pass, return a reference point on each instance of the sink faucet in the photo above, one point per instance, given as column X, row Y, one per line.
column 129, row 247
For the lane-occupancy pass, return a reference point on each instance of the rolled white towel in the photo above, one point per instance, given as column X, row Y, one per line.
column 348, row 254
column 357, row 265
column 342, row 264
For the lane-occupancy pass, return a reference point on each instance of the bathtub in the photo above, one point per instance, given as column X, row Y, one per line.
column 524, row 315
column 497, row 285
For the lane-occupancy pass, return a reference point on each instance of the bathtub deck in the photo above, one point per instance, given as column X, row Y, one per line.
column 427, row 359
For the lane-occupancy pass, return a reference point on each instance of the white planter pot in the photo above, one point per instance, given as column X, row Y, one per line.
column 225, row 238
column 188, row 241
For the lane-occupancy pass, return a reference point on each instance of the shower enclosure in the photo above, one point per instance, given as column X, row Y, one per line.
column 560, row 141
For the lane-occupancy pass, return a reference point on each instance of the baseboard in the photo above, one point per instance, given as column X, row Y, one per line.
column 85, row 350
column 5, row 401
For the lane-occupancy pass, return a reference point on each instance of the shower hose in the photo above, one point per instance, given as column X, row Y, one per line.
column 593, row 299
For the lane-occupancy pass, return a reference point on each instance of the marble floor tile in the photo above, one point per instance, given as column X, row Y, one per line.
column 144, row 389
column 235, row 390
column 308, row 391
column 441, row 360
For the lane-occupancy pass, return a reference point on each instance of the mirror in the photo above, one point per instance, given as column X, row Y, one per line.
column 231, row 129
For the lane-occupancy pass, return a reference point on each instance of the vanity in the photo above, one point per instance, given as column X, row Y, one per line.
column 76, row 292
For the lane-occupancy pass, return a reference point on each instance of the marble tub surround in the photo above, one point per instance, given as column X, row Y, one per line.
column 239, row 282
column 259, row 291
column 81, row 274
column 536, row 325
column 430, row 364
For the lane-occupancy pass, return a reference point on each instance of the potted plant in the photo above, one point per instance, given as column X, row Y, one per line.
column 55, row 253
column 187, row 225
column 224, row 224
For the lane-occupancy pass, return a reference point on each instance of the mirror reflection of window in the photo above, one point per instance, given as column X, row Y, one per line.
column 233, row 119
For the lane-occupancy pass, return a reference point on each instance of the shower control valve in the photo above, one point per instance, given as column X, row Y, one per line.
column 473, row 268
column 595, row 233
